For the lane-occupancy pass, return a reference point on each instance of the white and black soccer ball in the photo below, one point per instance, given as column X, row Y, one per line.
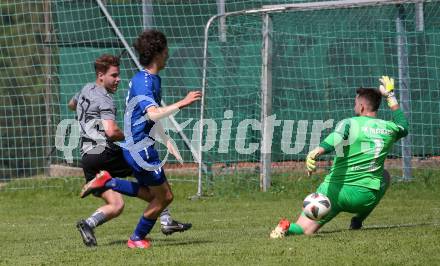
column 316, row 206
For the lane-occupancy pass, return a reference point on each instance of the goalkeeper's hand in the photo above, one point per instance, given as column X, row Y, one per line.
column 387, row 90
column 311, row 160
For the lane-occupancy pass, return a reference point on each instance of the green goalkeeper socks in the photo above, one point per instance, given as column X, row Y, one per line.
column 295, row 229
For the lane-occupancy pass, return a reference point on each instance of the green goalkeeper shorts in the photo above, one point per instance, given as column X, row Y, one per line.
column 349, row 198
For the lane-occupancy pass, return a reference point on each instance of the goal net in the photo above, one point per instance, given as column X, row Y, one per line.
column 317, row 59
column 46, row 56
column 319, row 54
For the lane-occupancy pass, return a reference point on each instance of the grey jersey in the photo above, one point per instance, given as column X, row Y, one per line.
column 94, row 105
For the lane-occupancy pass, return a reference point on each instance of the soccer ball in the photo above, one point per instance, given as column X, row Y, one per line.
column 316, row 206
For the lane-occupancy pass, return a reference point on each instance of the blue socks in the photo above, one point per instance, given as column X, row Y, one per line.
column 143, row 228
column 123, row 186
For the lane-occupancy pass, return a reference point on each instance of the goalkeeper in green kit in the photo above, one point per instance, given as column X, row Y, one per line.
column 357, row 180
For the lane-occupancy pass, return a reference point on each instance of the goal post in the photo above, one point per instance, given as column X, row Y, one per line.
column 266, row 103
column 356, row 20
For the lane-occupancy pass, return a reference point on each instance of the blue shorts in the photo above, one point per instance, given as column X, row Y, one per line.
column 142, row 169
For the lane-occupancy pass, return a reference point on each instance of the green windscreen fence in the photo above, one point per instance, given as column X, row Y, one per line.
column 319, row 58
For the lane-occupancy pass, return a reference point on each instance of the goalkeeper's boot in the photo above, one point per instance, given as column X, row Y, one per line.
column 174, row 226
column 144, row 243
column 355, row 223
column 281, row 230
column 86, row 233
column 96, row 183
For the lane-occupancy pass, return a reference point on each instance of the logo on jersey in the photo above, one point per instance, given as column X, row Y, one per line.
column 376, row 131
column 157, row 134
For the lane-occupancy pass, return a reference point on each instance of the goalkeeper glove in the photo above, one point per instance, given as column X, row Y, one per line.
column 387, row 90
column 311, row 160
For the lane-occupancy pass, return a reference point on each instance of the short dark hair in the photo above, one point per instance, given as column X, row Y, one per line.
column 149, row 44
column 372, row 95
column 104, row 62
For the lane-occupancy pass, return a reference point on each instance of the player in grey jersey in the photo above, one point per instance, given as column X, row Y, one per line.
column 96, row 114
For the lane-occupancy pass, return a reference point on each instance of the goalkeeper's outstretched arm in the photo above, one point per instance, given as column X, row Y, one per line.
column 327, row 145
column 402, row 123
column 387, row 91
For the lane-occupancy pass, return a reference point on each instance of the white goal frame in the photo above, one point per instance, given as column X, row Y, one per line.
column 266, row 78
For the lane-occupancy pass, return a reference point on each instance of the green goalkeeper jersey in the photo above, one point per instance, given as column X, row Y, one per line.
column 361, row 144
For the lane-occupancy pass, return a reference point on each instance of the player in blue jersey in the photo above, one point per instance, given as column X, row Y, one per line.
column 142, row 128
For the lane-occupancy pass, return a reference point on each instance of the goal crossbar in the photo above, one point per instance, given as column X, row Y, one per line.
column 338, row 4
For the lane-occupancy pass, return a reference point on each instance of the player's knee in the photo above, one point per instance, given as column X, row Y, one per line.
column 117, row 207
column 120, row 206
column 168, row 198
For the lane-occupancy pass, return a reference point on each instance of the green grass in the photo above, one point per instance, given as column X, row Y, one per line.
column 37, row 227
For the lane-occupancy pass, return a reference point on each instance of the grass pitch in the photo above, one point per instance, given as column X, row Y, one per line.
column 37, row 227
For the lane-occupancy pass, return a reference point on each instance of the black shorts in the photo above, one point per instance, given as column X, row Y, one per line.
column 110, row 160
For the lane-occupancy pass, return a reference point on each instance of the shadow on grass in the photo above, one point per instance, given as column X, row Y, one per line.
column 379, row 227
column 165, row 242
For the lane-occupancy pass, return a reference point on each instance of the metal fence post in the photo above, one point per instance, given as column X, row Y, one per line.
column 402, row 59
column 266, row 104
